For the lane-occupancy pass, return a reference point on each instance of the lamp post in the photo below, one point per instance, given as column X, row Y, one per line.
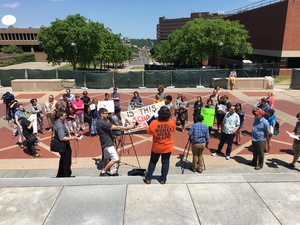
column 73, row 44
column 220, row 44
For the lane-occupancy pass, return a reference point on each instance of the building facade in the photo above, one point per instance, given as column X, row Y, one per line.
column 274, row 30
column 26, row 38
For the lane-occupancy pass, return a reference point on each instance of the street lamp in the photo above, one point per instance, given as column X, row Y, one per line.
column 73, row 44
column 220, row 44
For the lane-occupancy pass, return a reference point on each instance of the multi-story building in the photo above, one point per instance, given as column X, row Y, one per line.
column 274, row 29
column 26, row 38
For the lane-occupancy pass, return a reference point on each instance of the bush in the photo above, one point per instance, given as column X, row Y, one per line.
column 17, row 60
column 11, row 49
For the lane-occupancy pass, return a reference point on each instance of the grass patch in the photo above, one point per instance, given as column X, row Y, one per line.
column 137, row 68
column 65, row 67
column 282, row 80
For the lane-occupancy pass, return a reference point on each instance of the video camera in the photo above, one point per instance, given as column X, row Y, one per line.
column 6, row 98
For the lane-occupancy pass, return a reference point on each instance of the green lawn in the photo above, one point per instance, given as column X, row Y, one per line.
column 282, row 80
column 65, row 67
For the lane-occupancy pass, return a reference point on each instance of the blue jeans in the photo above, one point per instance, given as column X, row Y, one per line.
column 165, row 161
column 226, row 138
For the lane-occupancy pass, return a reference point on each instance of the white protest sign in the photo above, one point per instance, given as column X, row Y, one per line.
column 140, row 115
column 109, row 105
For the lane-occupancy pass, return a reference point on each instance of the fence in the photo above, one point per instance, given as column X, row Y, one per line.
column 150, row 79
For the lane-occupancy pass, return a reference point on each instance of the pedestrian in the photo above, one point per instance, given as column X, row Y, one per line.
column 79, row 113
column 49, row 109
column 231, row 123
column 272, row 121
column 161, row 130
column 61, row 134
column 270, row 99
column 183, row 112
column 232, row 79
column 197, row 108
column 241, row 113
column 160, row 96
column 199, row 135
column 93, row 111
column 104, row 130
column 37, row 109
column 29, row 135
column 260, row 134
column 115, row 96
column 296, row 143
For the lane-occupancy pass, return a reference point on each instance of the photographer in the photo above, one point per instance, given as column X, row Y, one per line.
column 7, row 99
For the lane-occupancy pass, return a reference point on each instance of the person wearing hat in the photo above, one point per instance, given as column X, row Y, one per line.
column 260, row 135
column 272, row 121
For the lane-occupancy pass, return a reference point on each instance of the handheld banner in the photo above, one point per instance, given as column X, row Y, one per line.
column 140, row 115
column 208, row 115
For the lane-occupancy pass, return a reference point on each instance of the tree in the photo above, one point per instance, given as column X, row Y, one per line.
column 79, row 40
column 201, row 38
column 11, row 49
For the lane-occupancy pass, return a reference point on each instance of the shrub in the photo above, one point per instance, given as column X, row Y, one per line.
column 17, row 60
column 11, row 49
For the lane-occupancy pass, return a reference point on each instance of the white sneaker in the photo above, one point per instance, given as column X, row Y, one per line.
column 227, row 157
column 214, row 154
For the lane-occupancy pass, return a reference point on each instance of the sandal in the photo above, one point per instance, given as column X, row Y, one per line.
column 37, row 155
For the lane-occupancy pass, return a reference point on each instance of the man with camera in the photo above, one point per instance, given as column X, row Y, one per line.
column 7, row 99
column 104, row 128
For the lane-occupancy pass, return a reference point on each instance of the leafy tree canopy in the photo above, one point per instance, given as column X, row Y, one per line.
column 11, row 49
column 201, row 38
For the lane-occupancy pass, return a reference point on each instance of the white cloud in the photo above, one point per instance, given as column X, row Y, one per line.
column 11, row 5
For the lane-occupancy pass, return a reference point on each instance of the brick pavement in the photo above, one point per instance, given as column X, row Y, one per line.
column 286, row 106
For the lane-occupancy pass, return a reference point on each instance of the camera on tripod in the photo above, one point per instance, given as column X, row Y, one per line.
column 6, row 98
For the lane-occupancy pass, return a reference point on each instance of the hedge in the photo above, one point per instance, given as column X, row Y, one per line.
column 17, row 60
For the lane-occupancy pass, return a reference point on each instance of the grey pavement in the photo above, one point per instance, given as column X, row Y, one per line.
column 220, row 195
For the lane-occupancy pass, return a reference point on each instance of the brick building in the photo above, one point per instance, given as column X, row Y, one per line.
column 274, row 30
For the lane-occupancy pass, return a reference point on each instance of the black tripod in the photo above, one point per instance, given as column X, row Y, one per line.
column 187, row 149
column 120, row 142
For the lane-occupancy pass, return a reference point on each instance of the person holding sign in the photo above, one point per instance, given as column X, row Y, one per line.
column 104, row 128
column 162, row 131
column 296, row 144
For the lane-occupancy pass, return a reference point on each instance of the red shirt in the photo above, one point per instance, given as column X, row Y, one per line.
column 162, row 132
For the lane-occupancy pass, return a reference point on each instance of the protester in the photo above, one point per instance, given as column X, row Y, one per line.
column 176, row 106
column 115, row 96
column 215, row 97
column 28, row 134
column 13, row 108
column 221, row 110
column 210, row 105
column 168, row 102
column 136, row 98
column 71, row 118
column 93, row 111
column 106, row 97
column 18, row 121
column 49, row 109
column 199, row 135
column 260, row 134
column 272, row 121
column 86, row 101
column 162, row 132
column 37, row 109
column 231, row 123
column 104, row 128
column 79, row 113
column 183, row 112
column 270, row 99
column 241, row 113
column 197, row 108
column 61, row 133
column 63, row 101
column 296, row 143
column 69, row 95
column 160, row 96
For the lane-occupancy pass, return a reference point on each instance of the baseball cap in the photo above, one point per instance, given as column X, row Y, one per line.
column 260, row 112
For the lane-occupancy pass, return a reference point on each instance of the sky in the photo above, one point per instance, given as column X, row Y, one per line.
column 132, row 18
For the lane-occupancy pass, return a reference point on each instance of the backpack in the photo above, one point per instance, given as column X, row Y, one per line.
column 276, row 128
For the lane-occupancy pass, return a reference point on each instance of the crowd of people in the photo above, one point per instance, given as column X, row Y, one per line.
column 67, row 117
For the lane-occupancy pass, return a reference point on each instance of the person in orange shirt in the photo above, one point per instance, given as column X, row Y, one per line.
column 162, row 130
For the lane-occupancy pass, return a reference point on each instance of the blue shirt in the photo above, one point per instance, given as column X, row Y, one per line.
column 116, row 102
column 266, row 108
column 259, row 130
column 200, row 133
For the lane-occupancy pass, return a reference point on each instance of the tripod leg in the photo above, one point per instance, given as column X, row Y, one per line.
column 188, row 150
column 204, row 167
column 134, row 150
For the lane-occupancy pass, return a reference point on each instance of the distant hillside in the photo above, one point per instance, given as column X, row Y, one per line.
column 140, row 43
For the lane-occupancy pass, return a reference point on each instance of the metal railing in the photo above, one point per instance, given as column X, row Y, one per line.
column 254, row 5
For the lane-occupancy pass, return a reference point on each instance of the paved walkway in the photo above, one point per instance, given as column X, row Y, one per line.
column 227, row 192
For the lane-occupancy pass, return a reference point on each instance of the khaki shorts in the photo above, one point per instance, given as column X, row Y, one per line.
column 110, row 153
column 296, row 149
